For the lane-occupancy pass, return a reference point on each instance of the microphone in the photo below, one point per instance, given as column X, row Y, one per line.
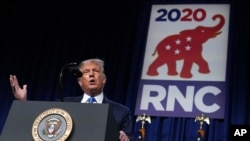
column 72, row 69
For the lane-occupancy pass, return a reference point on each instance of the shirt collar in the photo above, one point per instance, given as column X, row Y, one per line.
column 98, row 98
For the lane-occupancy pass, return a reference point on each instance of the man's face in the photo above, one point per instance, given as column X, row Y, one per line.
column 92, row 80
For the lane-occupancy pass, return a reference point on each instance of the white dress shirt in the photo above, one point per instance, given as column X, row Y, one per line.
column 98, row 98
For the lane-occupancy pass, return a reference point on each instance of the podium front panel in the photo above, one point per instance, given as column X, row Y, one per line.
column 91, row 122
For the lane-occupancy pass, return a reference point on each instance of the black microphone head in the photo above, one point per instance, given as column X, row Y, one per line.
column 73, row 69
column 71, row 64
column 78, row 73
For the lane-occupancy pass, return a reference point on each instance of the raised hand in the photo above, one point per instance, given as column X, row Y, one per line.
column 19, row 93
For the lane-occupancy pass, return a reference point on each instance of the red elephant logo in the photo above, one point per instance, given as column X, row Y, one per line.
column 186, row 46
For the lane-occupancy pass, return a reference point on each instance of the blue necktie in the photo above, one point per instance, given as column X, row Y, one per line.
column 91, row 100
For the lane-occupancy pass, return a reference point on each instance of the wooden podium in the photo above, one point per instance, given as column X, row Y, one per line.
column 28, row 120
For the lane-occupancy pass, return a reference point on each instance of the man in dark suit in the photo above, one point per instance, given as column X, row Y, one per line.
column 92, row 83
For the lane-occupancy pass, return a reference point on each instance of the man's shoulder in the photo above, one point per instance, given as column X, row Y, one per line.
column 73, row 99
column 115, row 104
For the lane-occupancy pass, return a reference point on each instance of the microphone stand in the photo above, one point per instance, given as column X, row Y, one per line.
column 72, row 68
column 61, row 79
column 60, row 85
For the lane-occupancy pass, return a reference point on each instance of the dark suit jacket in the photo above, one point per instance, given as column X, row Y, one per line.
column 121, row 114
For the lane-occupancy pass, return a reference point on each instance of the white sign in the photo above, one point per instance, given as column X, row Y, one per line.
column 184, row 68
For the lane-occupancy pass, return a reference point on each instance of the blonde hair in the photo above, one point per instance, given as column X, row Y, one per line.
column 97, row 61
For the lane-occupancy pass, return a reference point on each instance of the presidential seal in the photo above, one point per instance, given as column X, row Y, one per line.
column 52, row 125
